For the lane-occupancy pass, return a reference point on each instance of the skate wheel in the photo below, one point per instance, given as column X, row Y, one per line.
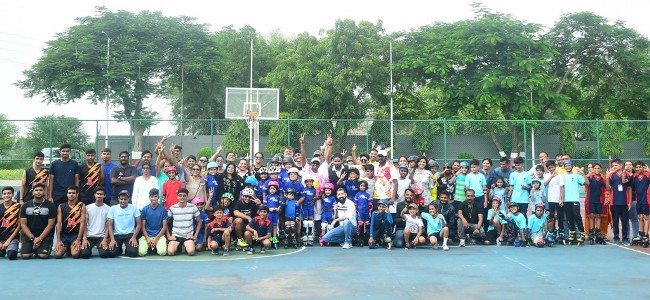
column 389, row 246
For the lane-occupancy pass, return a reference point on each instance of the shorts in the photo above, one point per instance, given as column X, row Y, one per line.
column 642, row 208
column 273, row 217
column 364, row 215
column 28, row 246
column 68, row 239
column 307, row 212
column 199, row 239
column 595, row 208
column 219, row 239
column 435, row 234
column 327, row 216
column 179, row 239
column 492, row 235
column 13, row 245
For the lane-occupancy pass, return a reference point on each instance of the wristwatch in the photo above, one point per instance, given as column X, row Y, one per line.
column 32, row 238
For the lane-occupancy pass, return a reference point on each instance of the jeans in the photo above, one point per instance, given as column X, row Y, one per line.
column 620, row 213
column 343, row 233
column 634, row 219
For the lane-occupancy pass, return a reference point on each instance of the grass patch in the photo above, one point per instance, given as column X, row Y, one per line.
column 11, row 174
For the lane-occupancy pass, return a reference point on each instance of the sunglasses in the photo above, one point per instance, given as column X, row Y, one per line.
column 203, row 160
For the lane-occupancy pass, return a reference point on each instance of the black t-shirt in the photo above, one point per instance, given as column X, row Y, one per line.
column 71, row 218
column 64, row 176
column 38, row 215
column 9, row 220
column 120, row 171
column 90, row 179
column 471, row 213
column 228, row 185
column 249, row 209
column 31, row 178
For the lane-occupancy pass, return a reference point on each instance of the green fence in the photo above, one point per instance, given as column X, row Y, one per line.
column 585, row 140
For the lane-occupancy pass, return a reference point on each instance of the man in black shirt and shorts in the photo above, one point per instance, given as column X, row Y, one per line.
column 37, row 220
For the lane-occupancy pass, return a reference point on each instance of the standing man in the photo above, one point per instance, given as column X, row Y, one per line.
column 346, row 216
column 124, row 224
column 33, row 175
column 37, row 219
column 107, row 166
column 122, row 177
column 385, row 182
column 70, row 225
column 146, row 157
column 617, row 186
column 92, row 177
column 143, row 185
column 184, row 215
column 543, row 158
column 9, row 225
column 154, row 226
column 503, row 171
column 64, row 172
column 96, row 235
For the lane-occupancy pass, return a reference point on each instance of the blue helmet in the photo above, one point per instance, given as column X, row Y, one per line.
column 251, row 180
column 464, row 164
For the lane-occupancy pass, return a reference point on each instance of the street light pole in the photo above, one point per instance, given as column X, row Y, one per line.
column 108, row 83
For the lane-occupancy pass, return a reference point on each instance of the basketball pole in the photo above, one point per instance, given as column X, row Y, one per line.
column 253, row 128
column 392, row 128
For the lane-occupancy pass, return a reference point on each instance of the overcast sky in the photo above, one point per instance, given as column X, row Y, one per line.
column 26, row 25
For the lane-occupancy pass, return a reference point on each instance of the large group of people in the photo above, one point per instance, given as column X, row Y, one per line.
column 183, row 204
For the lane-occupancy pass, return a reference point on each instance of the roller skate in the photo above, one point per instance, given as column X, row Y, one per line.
column 559, row 237
column 388, row 242
column 571, row 239
column 636, row 241
column 580, row 238
column 645, row 242
column 274, row 242
column 600, row 239
column 592, row 236
column 549, row 238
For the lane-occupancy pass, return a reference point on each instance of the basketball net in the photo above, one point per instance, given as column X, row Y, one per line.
column 251, row 119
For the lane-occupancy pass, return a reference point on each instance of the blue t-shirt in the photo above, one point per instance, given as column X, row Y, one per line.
column 459, row 195
column 290, row 209
column 204, row 218
column 536, row 224
column 377, row 218
column 309, row 194
column 476, row 182
column 498, row 172
column 434, row 225
column 328, row 203
column 153, row 218
column 351, row 187
column 596, row 185
column 107, row 183
column 262, row 227
column 489, row 217
column 572, row 183
column 361, row 201
column 211, row 182
column 640, row 184
column 64, row 176
column 537, row 198
column 297, row 186
column 519, row 220
column 261, row 188
column 123, row 218
column 501, row 193
column 520, row 195
column 273, row 200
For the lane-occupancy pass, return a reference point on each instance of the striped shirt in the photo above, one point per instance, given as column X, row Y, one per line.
column 183, row 225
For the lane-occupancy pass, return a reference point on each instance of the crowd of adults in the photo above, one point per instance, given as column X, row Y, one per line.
column 165, row 203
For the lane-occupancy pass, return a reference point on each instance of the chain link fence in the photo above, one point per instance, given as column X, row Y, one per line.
column 445, row 140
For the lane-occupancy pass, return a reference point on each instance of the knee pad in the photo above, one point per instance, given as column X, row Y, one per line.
column 12, row 254
column 323, row 226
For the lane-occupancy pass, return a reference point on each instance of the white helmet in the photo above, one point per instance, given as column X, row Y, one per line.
column 248, row 192
column 292, row 170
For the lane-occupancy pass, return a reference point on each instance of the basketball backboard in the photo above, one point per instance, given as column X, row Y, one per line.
column 241, row 101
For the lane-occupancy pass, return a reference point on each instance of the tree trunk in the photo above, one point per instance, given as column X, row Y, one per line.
column 138, row 133
column 493, row 136
column 514, row 135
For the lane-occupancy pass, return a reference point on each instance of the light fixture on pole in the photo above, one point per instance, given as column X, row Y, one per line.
column 108, row 83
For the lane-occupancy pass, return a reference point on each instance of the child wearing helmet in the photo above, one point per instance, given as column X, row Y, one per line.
column 294, row 183
column 274, row 175
column 171, row 187
column 496, row 220
column 309, row 194
column 199, row 243
column 537, row 226
column 419, row 199
column 262, row 178
column 515, row 229
column 381, row 225
column 291, row 218
column 328, row 201
column 226, row 203
column 537, row 194
column 211, row 185
column 273, row 201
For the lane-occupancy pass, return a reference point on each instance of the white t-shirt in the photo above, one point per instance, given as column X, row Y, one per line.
column 384, row 176
column 96, row 216
column 554, row 188
column 141, row 188
column 347, row 209
column 413, row 224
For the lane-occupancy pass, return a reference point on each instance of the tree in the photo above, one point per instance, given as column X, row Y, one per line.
column 612, row 135
column 237, row 138
column 8, row 133
column 54, row 130
column 489, row 67
column 147, row 52
column 340, row 76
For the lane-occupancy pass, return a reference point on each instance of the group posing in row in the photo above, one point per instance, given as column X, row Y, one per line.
column 205, row 203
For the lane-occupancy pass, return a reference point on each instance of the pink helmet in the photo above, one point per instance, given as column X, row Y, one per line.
column 328, row 185
column 198, row 200
column 417, row 190
column 273, row 183
column 169, row 169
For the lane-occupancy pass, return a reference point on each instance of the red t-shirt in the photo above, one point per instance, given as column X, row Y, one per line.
column 170, row 192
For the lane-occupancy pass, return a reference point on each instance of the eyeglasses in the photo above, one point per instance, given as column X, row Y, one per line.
column 182, row 195
column 219, row 160
column 196, row 169
column 203, row 160
column 364, row 160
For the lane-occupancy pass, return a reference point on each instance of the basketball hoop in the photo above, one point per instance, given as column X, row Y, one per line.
column 251, row 119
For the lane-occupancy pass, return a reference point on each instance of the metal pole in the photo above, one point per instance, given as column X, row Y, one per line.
column 392, row 125
column 444, row 137
column 251, row 137
column 532, row 129
column 108, row 83
column 598, row 139
column 182, row 99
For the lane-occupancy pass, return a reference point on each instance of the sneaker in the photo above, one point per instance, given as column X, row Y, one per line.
column 321, row 241
column 262, row 250
column 434, row 247
column 445, row 248
column 250, row 250
column 617, row 240
column 626, row 242
column 242, row 243
column 462, row 243
column 346, row 246
column 498, row 243
column 215, row 251
column 226, row 252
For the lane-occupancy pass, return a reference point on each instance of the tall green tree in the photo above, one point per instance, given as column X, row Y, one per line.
column 54, row 130
column 147, row 51
column 489, row 67
column 339, row 76
column 8, row 132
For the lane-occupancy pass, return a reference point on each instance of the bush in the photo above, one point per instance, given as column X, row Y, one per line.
column 11, row 174
column 465, row 156
column 205, row 151
column 586, row 152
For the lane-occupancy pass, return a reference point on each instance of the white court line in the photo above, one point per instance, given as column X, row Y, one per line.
column 254, row 256
column 627, row 248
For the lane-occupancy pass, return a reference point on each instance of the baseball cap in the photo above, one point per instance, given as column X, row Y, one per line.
column 382, row 153
column 413, row 205
column 317, row 152
column 124, row 192
column 154, row 191
column 315, row 159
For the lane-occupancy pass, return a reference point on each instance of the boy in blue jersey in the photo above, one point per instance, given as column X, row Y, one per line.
column 571, row 202
column 520, row 185
column 640, row 183
column 291, row 219
column 381, row 225
column 516, row 226
column 260, row 188
column 258, row 231
column 273, row 202
column 309, row 195
column 351, row 184
column 618, row 186
column 200, row 241
column 219, row 233
column 476, row 181
column 436, row 227
column 538, row 227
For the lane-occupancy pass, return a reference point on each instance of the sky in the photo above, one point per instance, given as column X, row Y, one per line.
column 26, row 25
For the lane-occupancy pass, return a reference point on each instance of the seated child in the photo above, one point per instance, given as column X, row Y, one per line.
column 436, row 227
column 516, row 226
column 381, row 225
column 414, row 226
column 258, row 231
column 219, row 233
column 496, row 219
column 538, row 227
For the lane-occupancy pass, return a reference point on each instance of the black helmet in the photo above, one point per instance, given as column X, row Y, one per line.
column 287, row 159
column 290, row 191
column 413, row 158
column 433, row 163
column 276, row 158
